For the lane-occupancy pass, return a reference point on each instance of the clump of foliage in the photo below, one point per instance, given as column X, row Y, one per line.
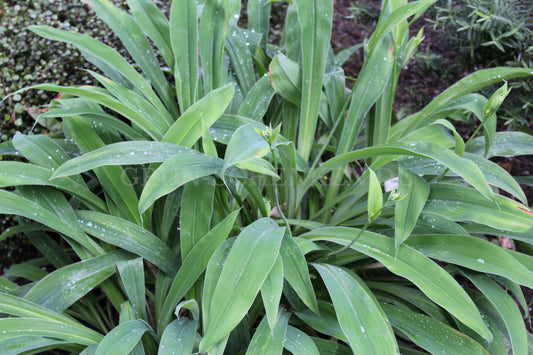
column 503, row 28
column 235, row 198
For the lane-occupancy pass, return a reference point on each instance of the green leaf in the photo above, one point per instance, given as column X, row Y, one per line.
column 17, row 173
column 271, row 292
column 407, row 211
column 212, row 275
column 98, row 117
column 463, row 167
column 123, row 338
column 239, row 54
column 267, row 340
column 132, row 275
column 259, row 18
column 471, row 83
column 430, row 334
column 298, row 342
column 160, row 118
column 473, row 253
column 134, row 40
column 196, row 211
column 324, row 322
column 131, row 237
column 104, row 98
column 184, row 41
column 188, row 128
column 361, row 318
column 315, row 17
column 297, row 273
column 496, row 100
column 506, row 307
column 244, row 144
column 460, row 203
column 435, row 282
column 177, row 171
column 17, row 205
column 178, row 338
column 389, row 21
column 506, row 144
column 122, row 153
column 286, row 78
column 113, row 179
column 371, row 82
column 60, row 289
column 27, row 343
column 248, row 264
column 105, row 58
column 257, row 100
column 12, row 327
column 214, row 26
column 375, row 196
column 23, row 308
column 193, row 265
column 155, row 25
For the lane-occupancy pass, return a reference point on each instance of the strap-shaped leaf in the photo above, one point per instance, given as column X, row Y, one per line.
column 408, row 210
column 60, row 289
column 269, row 341
column 113, row 179
column 123, row 338
column 463, row 167
column 27, row 343
column 105, row 58
column 257, row 100
column 178, row 338
column 104, row 98
column 431, row 334
column 159, row 117
column 188, row 128
column 214, row 26
column 195, row 213
column 315, row 17
column 122, row 153
column 361, row 318
column 371, row 83
column 297, row 272
column 132, row 275
column 179, row 170
column 298, row 342
column 471, row 83
column 129, row 236
column 12, row 327
column 239, row 54
column 193, row 265
column 473, row 253
column 506, row 144
column 17, row 205
column 133, row 38
column 271, row 293
column 325, row 322
column 184, row 41
column 259, row 18
column 155, row 25
column 506, row 308
column 23, row 308
column 435, row 282
column 247, row 266
column 460, row 203
column 16, row 173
